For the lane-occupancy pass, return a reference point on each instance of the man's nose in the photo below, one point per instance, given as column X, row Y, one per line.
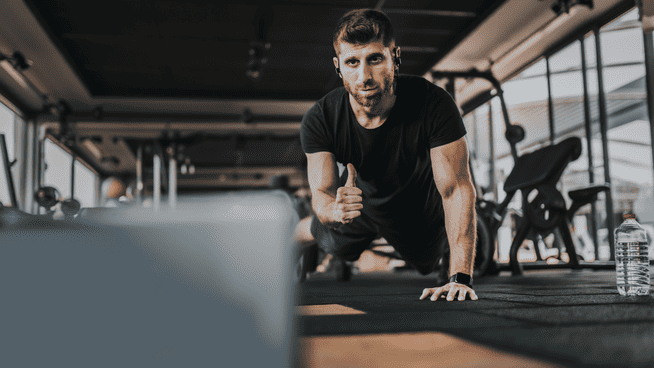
column 365, row 73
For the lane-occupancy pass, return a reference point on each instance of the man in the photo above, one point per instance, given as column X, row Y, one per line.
column 402, row 140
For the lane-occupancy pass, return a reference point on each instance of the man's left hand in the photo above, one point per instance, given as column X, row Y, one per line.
column 450, row 291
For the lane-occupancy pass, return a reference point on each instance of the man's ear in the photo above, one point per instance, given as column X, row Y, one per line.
column 338, row 70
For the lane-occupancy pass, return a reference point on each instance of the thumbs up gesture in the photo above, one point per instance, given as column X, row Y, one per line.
column 348, row 199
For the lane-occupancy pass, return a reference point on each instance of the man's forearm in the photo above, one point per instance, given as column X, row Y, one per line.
column 323, row 206
column 461, row 227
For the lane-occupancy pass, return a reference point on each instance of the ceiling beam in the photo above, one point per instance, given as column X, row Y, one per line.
column 419, row 49
column 434, row 13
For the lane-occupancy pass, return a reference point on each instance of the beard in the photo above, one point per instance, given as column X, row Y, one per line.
column 385, row 89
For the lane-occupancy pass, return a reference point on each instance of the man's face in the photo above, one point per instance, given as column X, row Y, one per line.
column 368, row 71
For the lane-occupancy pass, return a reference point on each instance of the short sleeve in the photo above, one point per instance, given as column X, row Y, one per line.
column 445, row 124
column 314, row 134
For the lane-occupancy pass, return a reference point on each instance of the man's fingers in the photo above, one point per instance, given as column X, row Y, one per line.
column 348, row 191
column 350, row 215
column 425, row 293
column 450, row 292
column 437, row 293
column 351, row 207
column 348, row 202
column 353, row 199
column 351, row 176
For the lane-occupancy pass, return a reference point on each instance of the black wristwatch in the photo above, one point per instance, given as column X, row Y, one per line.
column 462, row 278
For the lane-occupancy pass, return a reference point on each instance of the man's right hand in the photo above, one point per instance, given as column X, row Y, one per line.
column 348, row 199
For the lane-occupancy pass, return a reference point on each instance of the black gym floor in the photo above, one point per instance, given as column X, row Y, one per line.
column 553, row 318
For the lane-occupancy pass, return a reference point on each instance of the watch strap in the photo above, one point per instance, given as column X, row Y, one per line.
column 461, row 278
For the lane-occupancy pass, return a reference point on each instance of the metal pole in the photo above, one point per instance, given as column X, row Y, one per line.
column 72, row 177
column 649, row 80
column 39, row 168
column 589, row 144
column 139, row 174
column 610, row 223
column 507, row 122
column 449, row 87
column 475, row 135
column 491, row 143
column 10, row 181
column 172, row 177
column 156, row 169
column 550, row 103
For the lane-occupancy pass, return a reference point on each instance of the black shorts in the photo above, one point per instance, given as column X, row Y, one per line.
column 420, row 246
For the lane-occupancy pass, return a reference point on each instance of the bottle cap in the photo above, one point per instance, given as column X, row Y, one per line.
column 629, row 216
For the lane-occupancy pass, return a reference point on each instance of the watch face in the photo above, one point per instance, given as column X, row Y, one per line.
column 461, row 278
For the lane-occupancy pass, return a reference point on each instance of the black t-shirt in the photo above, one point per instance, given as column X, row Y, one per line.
column 392, row 161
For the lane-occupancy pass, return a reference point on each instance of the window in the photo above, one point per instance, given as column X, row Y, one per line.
column 57, row 168
column 527, row 101
column 628, row 131
column 477, row 127
column 58, row 175
column 85, row 185
column 7, row 123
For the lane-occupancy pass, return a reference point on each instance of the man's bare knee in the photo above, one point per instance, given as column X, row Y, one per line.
column 302, row 236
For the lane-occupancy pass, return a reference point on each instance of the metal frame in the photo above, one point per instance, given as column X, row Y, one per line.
column 487, row 75
column 648, row 39
column 589, row 143
column 550, row 103
column 7, row 167
column 603, row 119
column 491, row 144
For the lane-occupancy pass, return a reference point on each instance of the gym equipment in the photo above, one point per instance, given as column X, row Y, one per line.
column 544, row 209
column 7, row 165
column 543, row 212
column 47, row 197
column 536, row 174
column 70, row 207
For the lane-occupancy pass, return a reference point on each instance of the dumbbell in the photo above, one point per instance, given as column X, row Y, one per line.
column 47, row 197
column 70, row 207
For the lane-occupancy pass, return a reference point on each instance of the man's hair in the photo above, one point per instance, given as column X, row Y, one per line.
column 363, row 26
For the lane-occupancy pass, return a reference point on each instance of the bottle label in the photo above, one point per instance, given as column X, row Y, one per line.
column 633, row 243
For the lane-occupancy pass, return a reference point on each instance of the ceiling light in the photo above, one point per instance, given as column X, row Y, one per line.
column 92, row 148
column 14, row 74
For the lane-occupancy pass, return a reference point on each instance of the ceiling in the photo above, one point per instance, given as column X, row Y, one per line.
column 200, row 49
column 180, row 67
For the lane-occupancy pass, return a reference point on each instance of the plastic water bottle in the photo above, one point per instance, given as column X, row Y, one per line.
column 631, row 258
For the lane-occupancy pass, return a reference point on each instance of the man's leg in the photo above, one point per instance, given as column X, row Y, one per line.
column 302, row 235
column 423, row 250
column 343, row 245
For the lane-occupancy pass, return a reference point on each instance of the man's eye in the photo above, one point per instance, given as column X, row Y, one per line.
column 376, row 59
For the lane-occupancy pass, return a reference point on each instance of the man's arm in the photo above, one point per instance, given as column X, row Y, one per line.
column 454, row 183
column 334, row 206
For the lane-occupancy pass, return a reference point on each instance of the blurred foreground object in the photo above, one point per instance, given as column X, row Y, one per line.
column 203, row 286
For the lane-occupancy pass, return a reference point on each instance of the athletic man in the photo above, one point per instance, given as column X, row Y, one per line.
column 402, row 141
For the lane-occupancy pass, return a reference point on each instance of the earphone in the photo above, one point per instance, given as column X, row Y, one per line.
column 396, row 59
